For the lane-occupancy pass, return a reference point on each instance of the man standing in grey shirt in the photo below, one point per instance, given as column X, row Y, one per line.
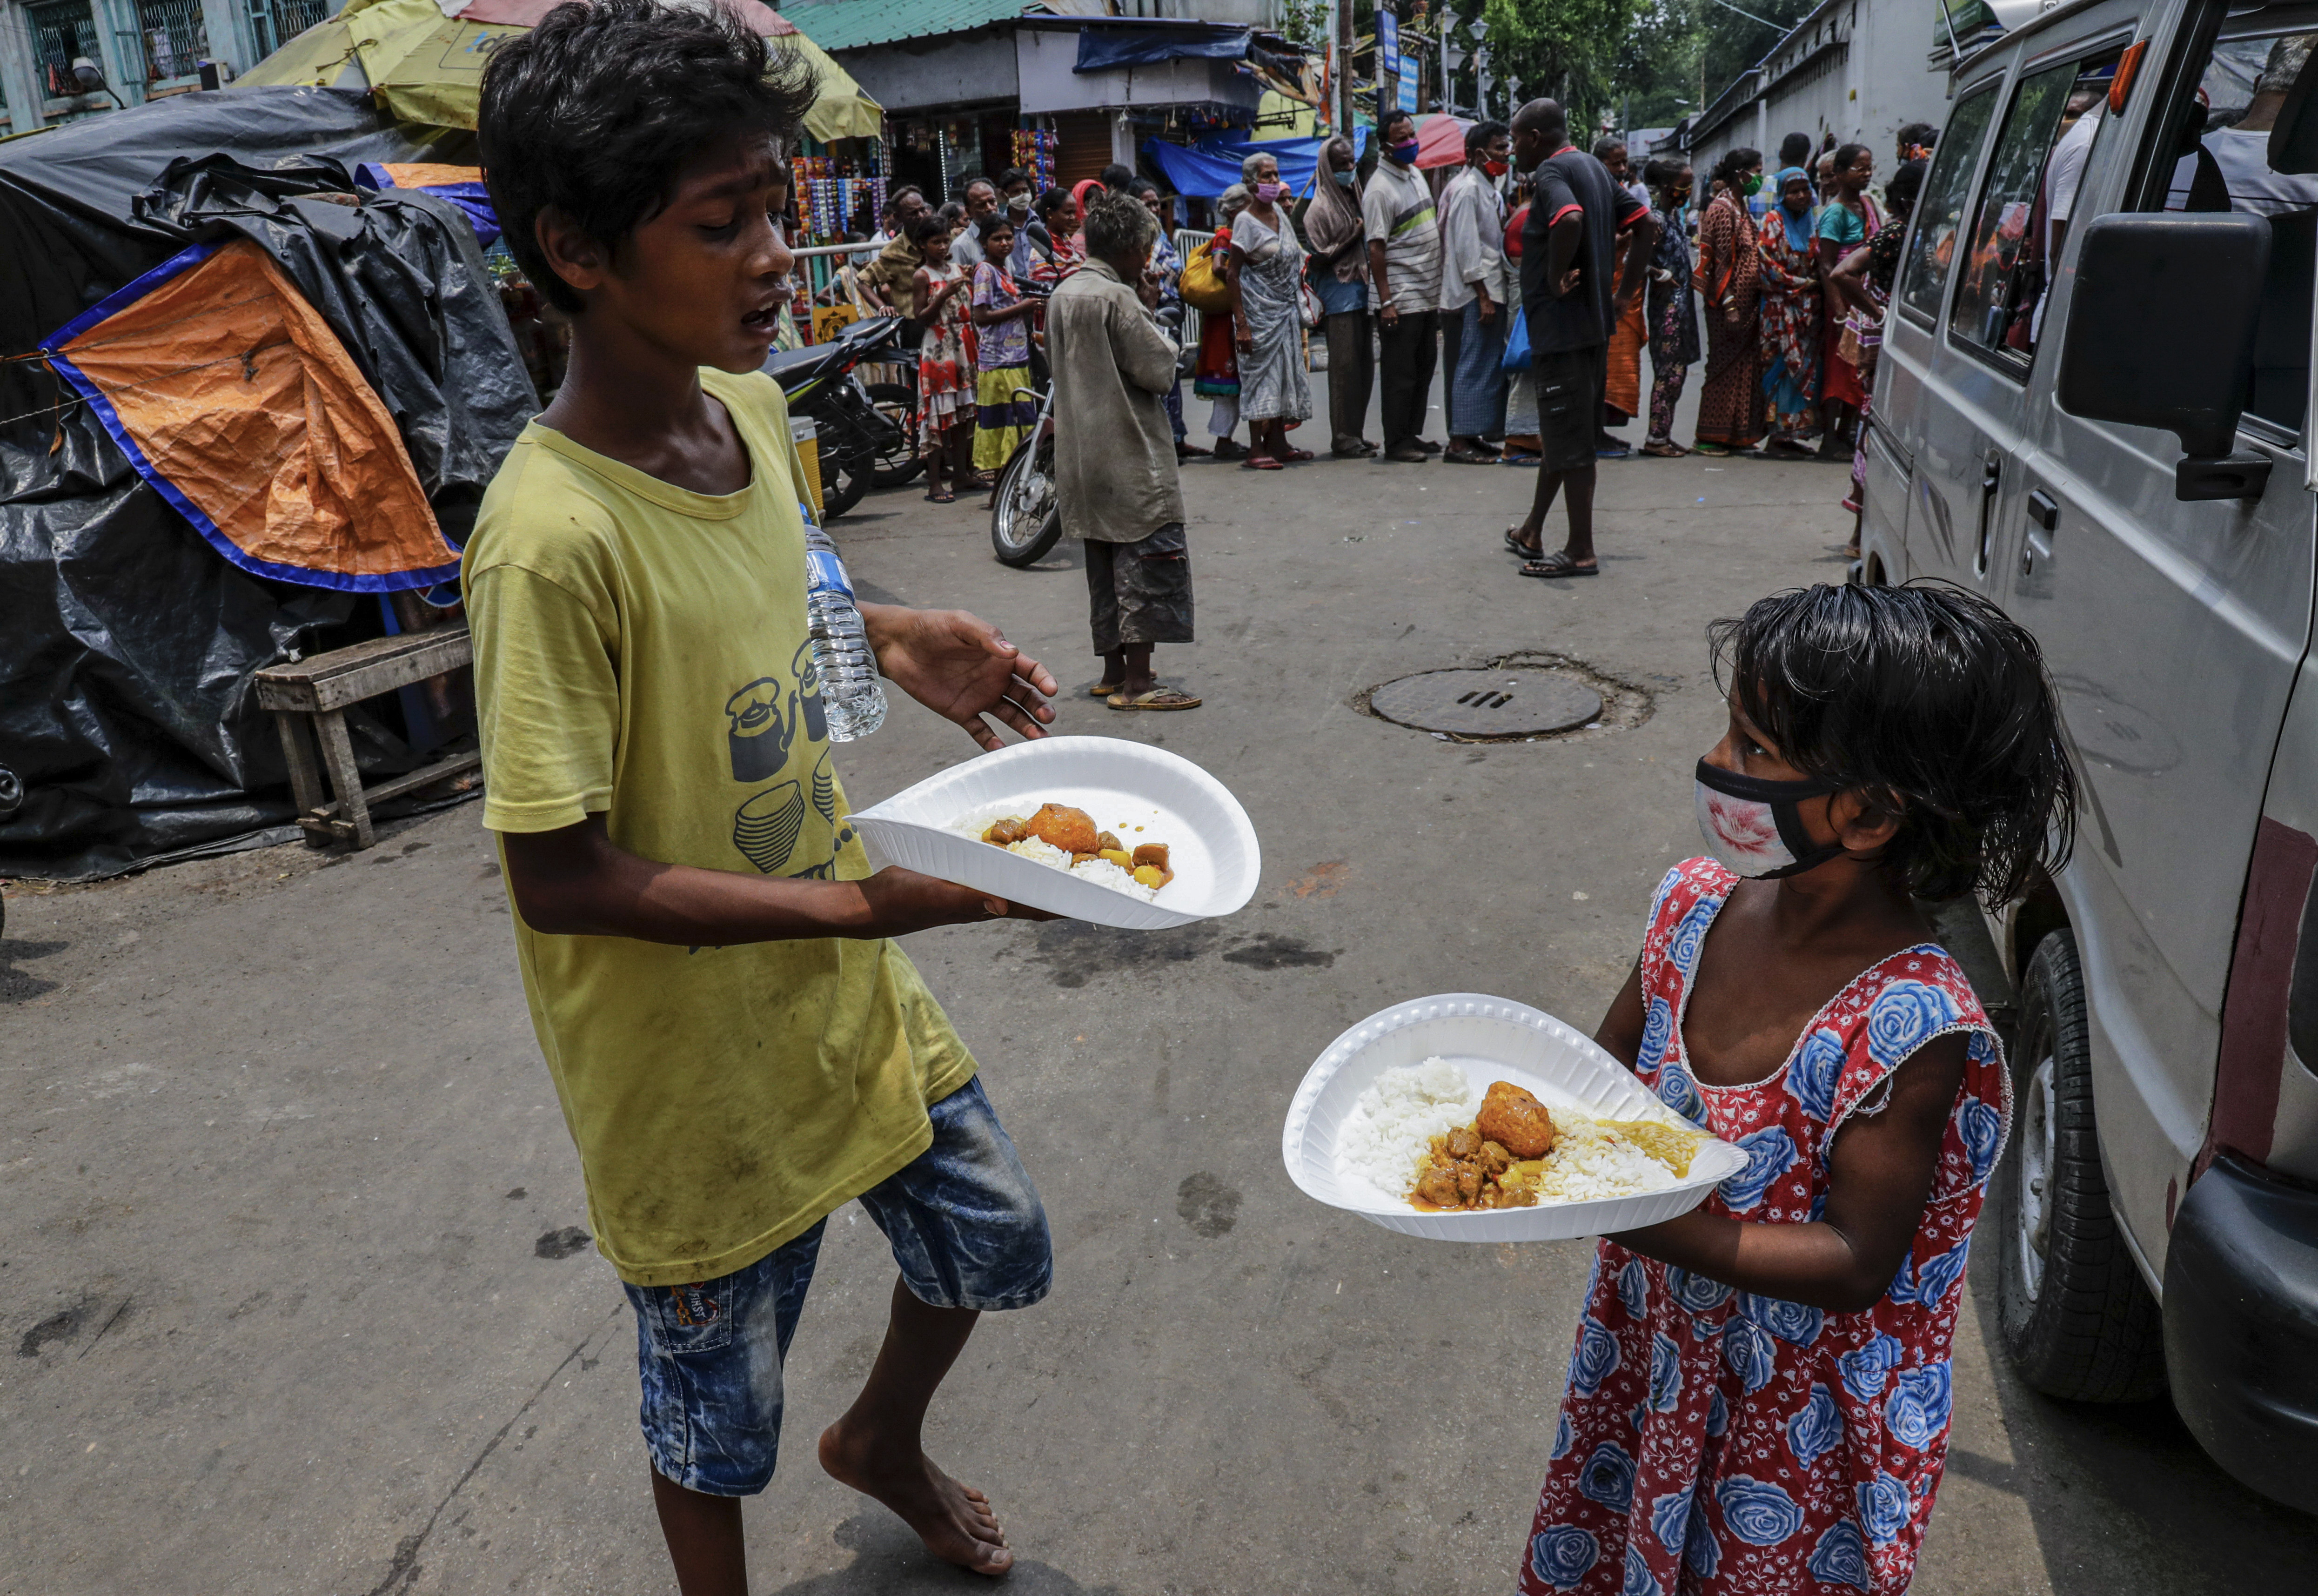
column 1405, row 271
column 981, row 200
column 1115, row 475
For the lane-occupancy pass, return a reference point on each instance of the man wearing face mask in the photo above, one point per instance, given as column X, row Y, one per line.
column 1474, row 294
column 1340, row 277
column 1405, row 271
column 1016, row 188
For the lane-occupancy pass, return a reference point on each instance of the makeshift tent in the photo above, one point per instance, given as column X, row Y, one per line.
column 1205, row 169
column 460, row 185
column 425, row 61
column 126, row 644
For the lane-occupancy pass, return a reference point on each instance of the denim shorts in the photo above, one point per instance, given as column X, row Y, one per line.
column 966, row 1229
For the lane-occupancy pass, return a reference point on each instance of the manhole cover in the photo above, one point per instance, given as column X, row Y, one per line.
column 1507, row 702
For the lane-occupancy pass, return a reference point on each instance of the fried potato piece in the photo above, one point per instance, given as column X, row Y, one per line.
column 1005, row 832
column 1515, row 1121
column 1063, row 827
column 1106, row 842
column 1153, row 853
column 1149, row 875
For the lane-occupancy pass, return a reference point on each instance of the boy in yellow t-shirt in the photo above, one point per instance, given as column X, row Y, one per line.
column 738, row 1048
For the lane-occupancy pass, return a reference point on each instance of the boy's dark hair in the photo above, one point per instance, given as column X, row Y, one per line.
column 1477, row 136
column 1604, row 145
column 1010, row 176
column 1119, row 225
column 1051, row 202
column 926, row 226
column 1794, row 151
column 592, row 113
column 1117, row 176
column 1662, row 169
column 1932, row 700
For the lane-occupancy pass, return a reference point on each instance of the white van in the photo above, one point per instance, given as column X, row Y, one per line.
column 2094, row 406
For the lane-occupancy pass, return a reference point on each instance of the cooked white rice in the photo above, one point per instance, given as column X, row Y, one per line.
column 1393, row 1122
column 1103, row 873
column 1385, row 1138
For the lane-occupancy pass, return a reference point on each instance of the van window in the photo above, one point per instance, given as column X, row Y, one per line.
column 2219, row 160
column 1939, row 209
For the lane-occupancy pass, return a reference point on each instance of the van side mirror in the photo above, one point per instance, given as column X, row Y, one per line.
column 2162, row 334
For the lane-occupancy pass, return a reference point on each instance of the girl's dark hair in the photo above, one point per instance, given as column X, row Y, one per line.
column 594, row 111
column 1933, row 701
column 1845, row 154
column 1736, row 165
column 992, row 223
column 1906, row 183
column 1662, row 169
column 926, row 226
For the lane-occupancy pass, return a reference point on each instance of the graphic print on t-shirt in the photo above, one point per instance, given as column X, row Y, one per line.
column 763, row 720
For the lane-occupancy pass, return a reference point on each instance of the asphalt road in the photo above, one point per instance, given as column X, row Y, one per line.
column 286, row 1285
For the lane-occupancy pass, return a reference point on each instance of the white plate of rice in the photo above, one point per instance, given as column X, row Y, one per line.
column 1139, row 792
column 1355, row 1133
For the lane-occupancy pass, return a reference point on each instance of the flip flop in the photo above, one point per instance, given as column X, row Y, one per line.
column 1105, row 690
column 1156, row 698
column 1260, row 463
column 1664, row 451
column 1294, row 455
column 1559, row 564
column 941, row 497
column 1515, row 546
column 1512, row 457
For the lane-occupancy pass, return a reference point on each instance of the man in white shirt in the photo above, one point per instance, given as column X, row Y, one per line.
column 1405, row 271
column 1474, row 293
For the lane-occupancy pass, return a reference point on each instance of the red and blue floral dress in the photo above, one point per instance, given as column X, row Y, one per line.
column 1716, row 1441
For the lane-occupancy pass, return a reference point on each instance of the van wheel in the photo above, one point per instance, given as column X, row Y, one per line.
column 2078, row 1322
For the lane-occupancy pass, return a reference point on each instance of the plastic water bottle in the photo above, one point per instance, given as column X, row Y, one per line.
column 850, row 695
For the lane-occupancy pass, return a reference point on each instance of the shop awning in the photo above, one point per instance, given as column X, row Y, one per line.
column 1102, row 48
column 1203, row 171
column 427, row 66
column 855, row 24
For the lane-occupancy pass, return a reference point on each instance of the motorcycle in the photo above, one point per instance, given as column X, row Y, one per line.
column 861, row 443
column 1026, row 519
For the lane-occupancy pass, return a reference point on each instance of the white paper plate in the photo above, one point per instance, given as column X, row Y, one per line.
column 1210, row 844
column 1490, row 1039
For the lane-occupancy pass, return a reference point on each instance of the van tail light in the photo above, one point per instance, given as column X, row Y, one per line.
column 2272, row 997
column 2127, row 64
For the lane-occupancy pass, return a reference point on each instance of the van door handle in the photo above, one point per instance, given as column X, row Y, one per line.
column 2044, row 509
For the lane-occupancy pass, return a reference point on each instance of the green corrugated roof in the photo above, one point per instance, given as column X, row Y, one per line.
column 851, row 24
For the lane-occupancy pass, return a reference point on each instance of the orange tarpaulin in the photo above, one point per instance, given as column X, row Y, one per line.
column 235, row 399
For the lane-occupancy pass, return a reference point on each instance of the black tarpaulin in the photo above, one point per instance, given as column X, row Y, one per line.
column 126, row 644
column 1105, row 49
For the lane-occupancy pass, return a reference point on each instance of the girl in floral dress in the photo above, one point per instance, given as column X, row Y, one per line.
column 945, row 362
column 1759, row 1399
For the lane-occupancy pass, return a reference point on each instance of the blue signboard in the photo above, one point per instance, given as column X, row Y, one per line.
column 1387, row 45
column 1408, row 91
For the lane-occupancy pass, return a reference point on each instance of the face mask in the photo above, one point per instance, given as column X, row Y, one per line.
column 1404, row 154
column 1020, row 204
column 1344, row 179
column 1753, row 826
column 1752, row 184
column 1494, row 168
column 1269, row 192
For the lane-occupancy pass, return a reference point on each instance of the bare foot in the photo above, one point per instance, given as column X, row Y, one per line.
column 954, row 1521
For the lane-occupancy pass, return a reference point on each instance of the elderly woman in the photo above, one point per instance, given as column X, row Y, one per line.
column 1265, row 273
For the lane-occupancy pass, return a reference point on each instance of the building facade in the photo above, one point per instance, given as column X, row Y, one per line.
column 1856, row 69
column 145, row 49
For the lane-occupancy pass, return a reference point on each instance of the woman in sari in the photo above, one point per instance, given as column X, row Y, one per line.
column 1265, row 273
column 1845, row 224
column 1729, row 279
column 1791, row 308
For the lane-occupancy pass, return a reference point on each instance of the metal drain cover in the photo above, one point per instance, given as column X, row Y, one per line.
column 1514, row 701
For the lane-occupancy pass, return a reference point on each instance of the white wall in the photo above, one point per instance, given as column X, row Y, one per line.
column 1856, row 68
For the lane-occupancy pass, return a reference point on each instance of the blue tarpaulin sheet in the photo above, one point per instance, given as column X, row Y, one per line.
column 1205, row 170
column 1101, row 49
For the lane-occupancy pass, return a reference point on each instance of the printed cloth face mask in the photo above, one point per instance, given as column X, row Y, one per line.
column 1754, row 827
column 1406, row 154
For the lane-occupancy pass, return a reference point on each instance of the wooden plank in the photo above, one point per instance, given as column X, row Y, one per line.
column 363, row 670
column 424, row 776
column 338, row 755
column 305, row 773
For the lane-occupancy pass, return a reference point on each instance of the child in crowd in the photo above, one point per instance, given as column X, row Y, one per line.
column 1760, row 1393
column 738, row 1045
column 1004, row 407
column 944, row 358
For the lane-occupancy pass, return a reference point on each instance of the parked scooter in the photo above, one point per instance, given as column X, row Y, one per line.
column 859, row 441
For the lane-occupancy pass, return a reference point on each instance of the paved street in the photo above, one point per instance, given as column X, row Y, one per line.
column 292, row 1303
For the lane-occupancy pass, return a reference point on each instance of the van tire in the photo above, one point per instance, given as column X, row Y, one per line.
column 2088, row 1330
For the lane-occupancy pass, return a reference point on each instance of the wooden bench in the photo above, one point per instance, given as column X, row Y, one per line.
column 318, row 691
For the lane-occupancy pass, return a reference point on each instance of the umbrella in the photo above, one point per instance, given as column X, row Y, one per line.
column 425, row 61
column 1441, row 141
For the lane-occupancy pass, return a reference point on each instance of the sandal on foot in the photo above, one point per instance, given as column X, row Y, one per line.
column 1515, row 546
column 941, row 495
column 1106, row 689
column 1664, row 449
column 1229, row 449
column 1191, row 452
column 1156, row 698
column 1559, row 564
column 1293, row 455
column 1518, row 457
column 1463, row 456
column 1260, row 463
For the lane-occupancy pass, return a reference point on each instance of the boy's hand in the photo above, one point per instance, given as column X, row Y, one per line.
column 961, row 667
column 902, row 901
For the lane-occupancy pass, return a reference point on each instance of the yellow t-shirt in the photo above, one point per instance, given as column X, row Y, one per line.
column 640, row 650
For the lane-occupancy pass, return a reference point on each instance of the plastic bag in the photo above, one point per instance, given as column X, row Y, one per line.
column 1516, row 356
column 1202, row 286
